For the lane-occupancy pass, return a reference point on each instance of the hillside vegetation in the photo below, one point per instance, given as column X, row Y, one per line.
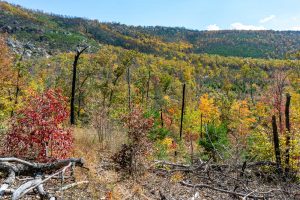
column 150, row 110
column 54, row 32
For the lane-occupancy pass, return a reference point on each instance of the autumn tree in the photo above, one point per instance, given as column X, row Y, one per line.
column 209, row 111
column 280, row 83
column 37, row 130
column 6, row 76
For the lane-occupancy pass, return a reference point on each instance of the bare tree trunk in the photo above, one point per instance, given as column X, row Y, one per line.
column 201, row 125
column 276, row 144
column 280, row 122
column 17, row 87
column 17, row 92
column 288, row 129
column 182, row 110
column 72, row 113
column 79, row 103
column 81, row 94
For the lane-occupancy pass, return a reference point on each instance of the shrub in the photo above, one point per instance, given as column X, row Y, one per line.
column 157, row 132
column 215, row 139
column 123, row 158
column 36, row 131
column 138, row 127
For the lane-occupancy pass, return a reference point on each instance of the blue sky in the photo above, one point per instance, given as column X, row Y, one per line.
column 192, row 14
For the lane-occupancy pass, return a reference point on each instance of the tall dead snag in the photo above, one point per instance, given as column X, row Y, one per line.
column 161, row 118
column 276, row 144
column 75, row 63
column 288, row 132
column 182, row 110
column 201, row 125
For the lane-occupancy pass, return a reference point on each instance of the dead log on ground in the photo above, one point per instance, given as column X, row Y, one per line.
column 37, row 172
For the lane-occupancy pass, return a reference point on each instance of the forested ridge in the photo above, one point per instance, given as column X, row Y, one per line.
column 62, row 33
column 108, row 111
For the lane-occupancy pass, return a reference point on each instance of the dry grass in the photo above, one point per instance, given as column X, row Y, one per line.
column 105, row 182
column 87, row 146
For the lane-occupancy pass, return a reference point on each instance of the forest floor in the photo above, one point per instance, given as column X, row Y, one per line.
column 105, row 183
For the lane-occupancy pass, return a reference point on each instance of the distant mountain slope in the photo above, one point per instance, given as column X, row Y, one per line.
column 58, row 33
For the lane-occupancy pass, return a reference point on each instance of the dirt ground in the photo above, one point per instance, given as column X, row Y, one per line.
column 155, row 183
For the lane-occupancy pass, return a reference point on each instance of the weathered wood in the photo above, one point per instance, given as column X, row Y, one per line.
column 8, row 182
column 46, row 179
column 161, row 118
column 44, row 194
column 21, row 191
column 201, row 125
column 276, row 144
column 22, row 167
column 200, row 186
column 75, row 63
column 288, row 132
column 14, row 166
column 182, row 111
column 66, row 187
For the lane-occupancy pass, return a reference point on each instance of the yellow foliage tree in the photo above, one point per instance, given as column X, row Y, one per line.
column 208, row 109
column 241, row 117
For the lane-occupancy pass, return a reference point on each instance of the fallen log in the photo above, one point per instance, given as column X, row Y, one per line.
column 249, row 195
column 66, row 187
column 13, row 167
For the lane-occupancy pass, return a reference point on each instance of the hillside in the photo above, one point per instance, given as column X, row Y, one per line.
column 92, row 110
column 60, row 33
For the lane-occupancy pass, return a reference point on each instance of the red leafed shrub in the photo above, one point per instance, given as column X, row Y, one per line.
column 129, row 158
column 37, row 131
column 138, row 126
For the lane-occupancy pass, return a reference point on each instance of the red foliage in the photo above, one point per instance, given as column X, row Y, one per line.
column 138, row 126
column 37, row 131
column 130, row 157
column 280, row 83
column 189, row 136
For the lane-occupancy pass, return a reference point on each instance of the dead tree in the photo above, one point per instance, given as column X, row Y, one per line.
column 276, row 144
column 201, row 125
column 288, row 132
column 182, row 110
column 36, row 173
column 75, row 63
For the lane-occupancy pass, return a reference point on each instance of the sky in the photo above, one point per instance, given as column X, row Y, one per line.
column 191, row 14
